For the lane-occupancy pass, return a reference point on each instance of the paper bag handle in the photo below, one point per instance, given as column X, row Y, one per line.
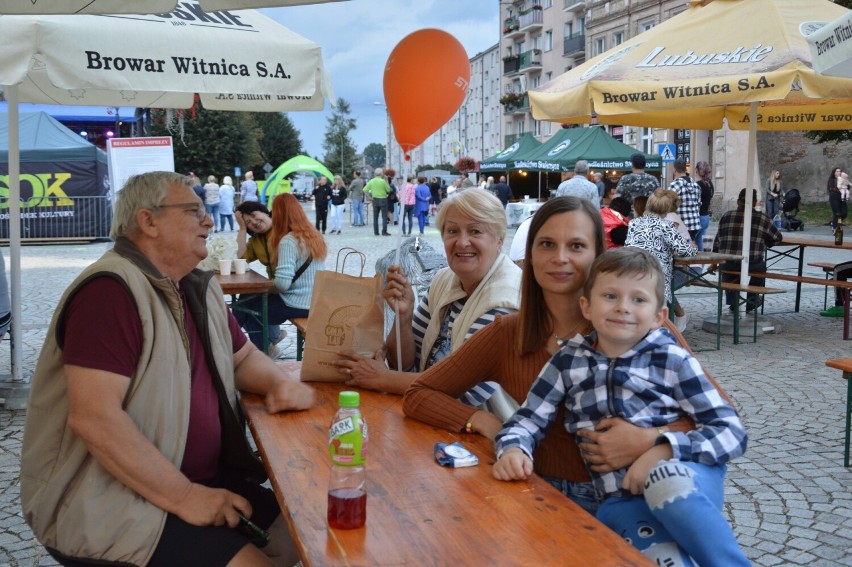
column 340, row 266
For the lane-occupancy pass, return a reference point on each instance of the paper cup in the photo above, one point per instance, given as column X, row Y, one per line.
column 239, row 266
column 225, row 267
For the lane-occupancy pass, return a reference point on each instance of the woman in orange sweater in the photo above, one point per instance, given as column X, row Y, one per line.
column 513, row 349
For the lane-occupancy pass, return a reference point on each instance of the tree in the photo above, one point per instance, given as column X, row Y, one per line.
column 339, row 149
column 374, row 155
column 277, row 140
column 208, row 142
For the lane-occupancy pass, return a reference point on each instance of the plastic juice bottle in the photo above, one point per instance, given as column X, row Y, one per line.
column 347, row 446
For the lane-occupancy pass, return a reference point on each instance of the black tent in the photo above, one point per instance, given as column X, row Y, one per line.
column 64, row 181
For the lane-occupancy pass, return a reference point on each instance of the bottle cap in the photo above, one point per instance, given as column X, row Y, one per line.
column 349, row 399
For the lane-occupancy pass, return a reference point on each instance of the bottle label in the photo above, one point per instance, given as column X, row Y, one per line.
column 347, row 441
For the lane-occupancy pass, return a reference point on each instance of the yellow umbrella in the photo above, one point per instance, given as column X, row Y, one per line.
column 706, row 64
column 745, row 61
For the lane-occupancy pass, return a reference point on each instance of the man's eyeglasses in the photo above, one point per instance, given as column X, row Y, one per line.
column 197, row 208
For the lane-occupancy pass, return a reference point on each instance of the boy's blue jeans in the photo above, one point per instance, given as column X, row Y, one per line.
column 680, row 516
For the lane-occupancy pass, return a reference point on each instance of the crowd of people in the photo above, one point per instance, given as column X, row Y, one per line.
column 573, row 328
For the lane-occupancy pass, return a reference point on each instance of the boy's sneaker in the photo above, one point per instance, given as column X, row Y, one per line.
column 836, row 311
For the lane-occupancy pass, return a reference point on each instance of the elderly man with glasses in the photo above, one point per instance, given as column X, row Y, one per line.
column 134, row 449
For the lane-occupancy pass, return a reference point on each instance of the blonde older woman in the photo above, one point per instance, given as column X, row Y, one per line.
column 659, row 232
column 479, row 283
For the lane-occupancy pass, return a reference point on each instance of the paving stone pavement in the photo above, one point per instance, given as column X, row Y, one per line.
column 788, row 498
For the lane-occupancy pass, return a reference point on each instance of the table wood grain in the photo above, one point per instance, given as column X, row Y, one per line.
column 419, row 513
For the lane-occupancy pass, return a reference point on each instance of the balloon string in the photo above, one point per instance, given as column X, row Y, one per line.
column 406, row 166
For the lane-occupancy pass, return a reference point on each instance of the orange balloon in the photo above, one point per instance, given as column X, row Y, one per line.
column 426, row 79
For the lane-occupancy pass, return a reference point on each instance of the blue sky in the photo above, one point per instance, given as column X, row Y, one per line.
column 356, row 38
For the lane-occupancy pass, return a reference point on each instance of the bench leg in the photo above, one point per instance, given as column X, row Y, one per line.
column 845, row 314
column 848, row 377
column 736, row 318
column 300, row 343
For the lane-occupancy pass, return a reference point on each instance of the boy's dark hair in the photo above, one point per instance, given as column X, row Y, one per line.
column 620, row 205
column 680, row 165
column 638, row 161
column 628, row 261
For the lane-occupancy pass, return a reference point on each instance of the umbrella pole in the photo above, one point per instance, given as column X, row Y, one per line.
column 749, row 202
column 15, row 230
column 539, row 186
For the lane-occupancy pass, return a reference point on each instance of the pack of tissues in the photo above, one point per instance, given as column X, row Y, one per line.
column 454, row 455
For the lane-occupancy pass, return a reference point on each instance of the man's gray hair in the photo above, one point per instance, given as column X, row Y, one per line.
column 582, row 166
column 378, row 172
column 143, row 191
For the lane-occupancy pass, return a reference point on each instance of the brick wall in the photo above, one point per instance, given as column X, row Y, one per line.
column 803, row 164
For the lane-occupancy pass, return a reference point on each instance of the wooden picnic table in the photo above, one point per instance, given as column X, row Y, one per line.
column 709, row 262
column 249, row 283
column 419, row 513
column 797, row 245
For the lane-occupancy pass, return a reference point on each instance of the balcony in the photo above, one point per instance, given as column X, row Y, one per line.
column 515, row 103
column 511, row 64
column 574, row 45
column 577, row 6
column 511, row 26
column 510, row 139
column 531, row 19
column 529, row 60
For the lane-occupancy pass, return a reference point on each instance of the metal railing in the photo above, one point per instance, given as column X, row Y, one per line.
column 576, row 43
column 62, row 218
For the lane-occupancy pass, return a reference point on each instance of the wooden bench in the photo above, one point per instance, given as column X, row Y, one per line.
column 828, row 269
column 845, row 366
column 738, row 289
column 843, row 286
column 301, row 325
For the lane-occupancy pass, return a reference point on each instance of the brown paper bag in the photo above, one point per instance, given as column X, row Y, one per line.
column 346, row 314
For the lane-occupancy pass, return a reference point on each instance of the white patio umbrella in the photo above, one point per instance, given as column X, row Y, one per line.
column 30, row 7
column 233, row 61
column 831, row 47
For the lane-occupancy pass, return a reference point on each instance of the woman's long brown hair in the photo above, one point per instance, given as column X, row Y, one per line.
column 535, row 319
column 288, row 217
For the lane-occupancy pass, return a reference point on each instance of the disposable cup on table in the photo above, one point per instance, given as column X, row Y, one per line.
column 240, row 266
column 225, row 267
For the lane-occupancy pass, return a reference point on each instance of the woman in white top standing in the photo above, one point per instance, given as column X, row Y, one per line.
column 211, row 200
column 226, row 203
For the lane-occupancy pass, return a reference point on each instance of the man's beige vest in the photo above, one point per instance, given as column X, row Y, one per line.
column 69, row 500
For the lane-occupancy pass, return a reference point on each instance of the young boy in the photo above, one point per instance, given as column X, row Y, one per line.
column 631, row 368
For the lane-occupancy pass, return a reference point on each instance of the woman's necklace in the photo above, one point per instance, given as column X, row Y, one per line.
column 560, row 341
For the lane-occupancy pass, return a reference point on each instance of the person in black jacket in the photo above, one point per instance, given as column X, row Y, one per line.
column 435, row 199
column 502, row 190
column 322, row 196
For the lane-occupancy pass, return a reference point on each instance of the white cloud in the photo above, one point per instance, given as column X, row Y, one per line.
column 357, row 36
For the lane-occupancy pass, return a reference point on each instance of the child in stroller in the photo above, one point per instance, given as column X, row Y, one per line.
column 790, row 208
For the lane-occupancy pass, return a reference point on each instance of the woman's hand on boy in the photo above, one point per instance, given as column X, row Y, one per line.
column 614, row 444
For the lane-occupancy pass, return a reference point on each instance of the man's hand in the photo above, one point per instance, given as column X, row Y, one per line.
column 513, row 464
column 288, row 394
column 638, row 472
column 203, row 506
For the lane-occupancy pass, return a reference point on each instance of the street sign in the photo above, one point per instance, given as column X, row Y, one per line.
column 267, row 167
column 667, row 152
column 238, row 172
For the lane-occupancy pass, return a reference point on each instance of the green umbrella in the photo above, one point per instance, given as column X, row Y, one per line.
column 298, row 163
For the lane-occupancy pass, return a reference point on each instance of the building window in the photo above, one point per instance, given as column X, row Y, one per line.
column 682, row 144
column 600, row 45
column 648, row 140
column 569, row 29
column 548, row 40
column 617, row 38
column 547, row 4
column 645, row 26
